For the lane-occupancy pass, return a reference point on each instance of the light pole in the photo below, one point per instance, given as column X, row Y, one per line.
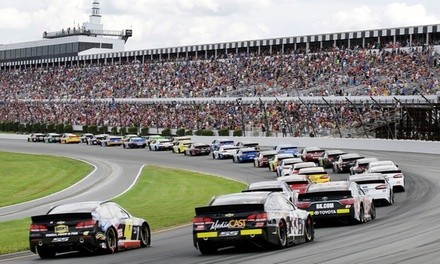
column 266, row 122
column 240, row 108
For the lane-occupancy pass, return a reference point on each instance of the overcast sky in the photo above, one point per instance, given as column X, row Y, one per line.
column 171, row 23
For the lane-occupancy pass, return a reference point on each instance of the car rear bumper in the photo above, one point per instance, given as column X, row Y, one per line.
column 67, row 243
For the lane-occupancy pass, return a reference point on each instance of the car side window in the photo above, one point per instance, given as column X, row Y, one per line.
column 285, row 204
column 118, row 212
column 273, row 203
column 105, row 212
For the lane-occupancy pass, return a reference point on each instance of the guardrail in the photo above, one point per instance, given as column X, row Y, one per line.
column 410, row 146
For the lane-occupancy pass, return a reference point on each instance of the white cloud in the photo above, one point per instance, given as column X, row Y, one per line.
column 168, row 23
column 11, row 18
column 402, row 14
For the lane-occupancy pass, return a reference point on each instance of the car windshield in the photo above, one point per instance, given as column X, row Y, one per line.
column 289, row 148
column 74, row 208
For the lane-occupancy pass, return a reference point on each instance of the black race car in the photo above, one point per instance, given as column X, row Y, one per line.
column 262, row 218
column 36, row 137
column 87, row 226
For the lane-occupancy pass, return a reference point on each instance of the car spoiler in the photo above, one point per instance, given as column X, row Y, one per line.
column 230, row 208
column 60, row 217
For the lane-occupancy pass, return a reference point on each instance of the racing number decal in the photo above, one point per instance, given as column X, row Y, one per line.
column 297, row 225
column 128, row 229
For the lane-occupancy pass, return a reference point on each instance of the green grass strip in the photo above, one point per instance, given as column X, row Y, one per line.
column 25, row 177
column 164, row 197
column 167, row 197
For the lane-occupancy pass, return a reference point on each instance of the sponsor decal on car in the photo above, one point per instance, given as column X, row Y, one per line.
column 234, row 223
column 325, row 206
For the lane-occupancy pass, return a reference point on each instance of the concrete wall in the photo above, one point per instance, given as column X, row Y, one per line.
column 410, row 146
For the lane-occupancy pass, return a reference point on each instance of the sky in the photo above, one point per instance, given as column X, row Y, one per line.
column 173, row 23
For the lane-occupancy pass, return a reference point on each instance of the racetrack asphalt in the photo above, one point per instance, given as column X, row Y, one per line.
column 406, row 232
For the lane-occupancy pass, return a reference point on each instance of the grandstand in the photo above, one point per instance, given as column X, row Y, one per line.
column 372, row 83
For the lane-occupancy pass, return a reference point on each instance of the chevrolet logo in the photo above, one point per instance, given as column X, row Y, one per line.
column 61, row 222
column 229, row 215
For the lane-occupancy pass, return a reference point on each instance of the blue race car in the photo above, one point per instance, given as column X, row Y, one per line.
column 245, row 155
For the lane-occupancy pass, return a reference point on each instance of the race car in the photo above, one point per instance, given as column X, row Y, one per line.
column 87, row 226
column 224, row 152
column 110, row 141
column 329, row 157
column 265, row 219
column 277, row 158
column 342, row 200
column 181, row 146
column 85, row 136
column 161, row 144
column 393, row 174
column 36, row 137
column 262, row 160
column 217, row 143
column 286, row 166
column 273, row 186
column 52, row 138
column 345, row 162
column 69, row 138
column 360, row 165
column 298, row 183
column 198, row 149
column 311, row 154
column 300, row 165
column 151, row 139
column 286, row 149
column 125, row 138
column 376, row 185
column 246, row 144
column 379, row 163
column 315, row 174
column 96, row 140
column 134, row 142
column 245, row 155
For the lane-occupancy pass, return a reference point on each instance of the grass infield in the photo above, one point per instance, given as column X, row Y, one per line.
column 24, row 177
column 164, row 197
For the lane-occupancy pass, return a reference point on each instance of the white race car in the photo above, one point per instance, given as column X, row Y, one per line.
column 393, row 174
column 225, row 152
column 286, row 166
column 376, row 185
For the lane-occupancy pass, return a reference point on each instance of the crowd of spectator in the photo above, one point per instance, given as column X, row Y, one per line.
column 292, row 117
column 32, row 94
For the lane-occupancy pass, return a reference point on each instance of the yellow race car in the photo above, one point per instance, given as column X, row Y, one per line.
column 315, row 174
column 69, row 138
column 276, row 160
column 181, row 146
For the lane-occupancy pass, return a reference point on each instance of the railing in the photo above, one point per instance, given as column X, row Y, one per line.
column 83, row 31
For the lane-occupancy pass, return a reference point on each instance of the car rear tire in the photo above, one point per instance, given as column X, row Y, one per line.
column 111, row 241
column 391, row 198
column 145, row 235
column 45, row 253
column 282, row 234
column 207, row 247
column 361, row 215
column 372, row 211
